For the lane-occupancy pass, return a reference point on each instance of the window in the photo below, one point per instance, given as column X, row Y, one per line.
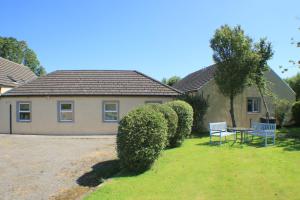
column 65, row 111
column 23, row 111
column 253, row 105
column 110, row 111
column 153, row 102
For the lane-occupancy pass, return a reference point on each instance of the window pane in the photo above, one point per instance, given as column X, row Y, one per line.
column 255, row 105
column 24, row 116
column 110, row 107
column 111, row 116
column 66, row 116
column 249, row 105
column 24, row 107
column 66, row 106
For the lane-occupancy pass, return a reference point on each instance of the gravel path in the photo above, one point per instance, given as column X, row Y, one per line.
column 47, row 167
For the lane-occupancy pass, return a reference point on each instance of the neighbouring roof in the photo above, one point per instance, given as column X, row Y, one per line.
column 14, row 74
column 94, row 83
column 196, row 80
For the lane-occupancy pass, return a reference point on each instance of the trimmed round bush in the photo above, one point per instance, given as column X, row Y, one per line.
column 142, row 135
column 296, row 112
column 171, row 117
column 185, row 121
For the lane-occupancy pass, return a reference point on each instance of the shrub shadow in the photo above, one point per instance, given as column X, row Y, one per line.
column 99, row 173
column 104, row 170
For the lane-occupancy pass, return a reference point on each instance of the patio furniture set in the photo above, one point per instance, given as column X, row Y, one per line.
column 264, row 130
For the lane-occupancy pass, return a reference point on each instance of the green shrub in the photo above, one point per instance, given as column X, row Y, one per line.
column 185, row 121
column 282, row 111
column 171, row 117
column 142, row 135
column 296, row 112
column 200, row 105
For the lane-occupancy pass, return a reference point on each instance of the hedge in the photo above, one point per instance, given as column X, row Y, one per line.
column 185, row 121
column 296, row 112
column 171, row 117
column 142, row 135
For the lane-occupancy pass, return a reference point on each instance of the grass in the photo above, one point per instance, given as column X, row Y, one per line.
column 198, row 170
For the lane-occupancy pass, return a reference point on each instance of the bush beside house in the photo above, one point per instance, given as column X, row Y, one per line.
column 142, row 135
column 171, row 117
column 185, row 121
column 296, row 112
column 144, row 132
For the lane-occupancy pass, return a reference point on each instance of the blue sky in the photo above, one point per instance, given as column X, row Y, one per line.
column 159, row 38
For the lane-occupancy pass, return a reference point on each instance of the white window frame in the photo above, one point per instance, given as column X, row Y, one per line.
column 19, row 111
column 110, row 111
column 252, row 104
column 60, row 111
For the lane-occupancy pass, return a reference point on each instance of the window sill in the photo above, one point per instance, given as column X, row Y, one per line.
column 24, row 121
column 253, row 113
column 111, row 121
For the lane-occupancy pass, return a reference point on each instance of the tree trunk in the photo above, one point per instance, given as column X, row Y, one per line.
column 265, row 104
column 232, row 111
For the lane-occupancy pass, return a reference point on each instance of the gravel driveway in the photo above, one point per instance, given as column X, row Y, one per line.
column 47, row 167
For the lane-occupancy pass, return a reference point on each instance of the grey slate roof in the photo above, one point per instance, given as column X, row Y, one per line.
column 94, row 83
column 13, row 74
column 196, row 80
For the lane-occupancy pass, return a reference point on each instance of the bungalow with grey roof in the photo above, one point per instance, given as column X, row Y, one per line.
column 78, row 101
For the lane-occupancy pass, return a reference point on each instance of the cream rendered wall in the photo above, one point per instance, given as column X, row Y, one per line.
column 87, row 114
column 4, row 89
column 218, row 109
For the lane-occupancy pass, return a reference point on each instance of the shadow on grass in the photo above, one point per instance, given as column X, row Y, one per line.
column 99, row 173
column 287, row 143
column 104, row 170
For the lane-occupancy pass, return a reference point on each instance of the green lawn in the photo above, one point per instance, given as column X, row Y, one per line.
column 198, row 170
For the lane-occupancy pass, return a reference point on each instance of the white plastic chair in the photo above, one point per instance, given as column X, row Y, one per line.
column 219, row 129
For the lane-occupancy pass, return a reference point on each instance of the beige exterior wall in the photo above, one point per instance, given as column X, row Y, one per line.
column 87, row 114
column 219, row 105
column 4, row 89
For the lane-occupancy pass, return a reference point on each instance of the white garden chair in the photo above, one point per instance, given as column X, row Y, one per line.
column 219, row 129
column 264, row 130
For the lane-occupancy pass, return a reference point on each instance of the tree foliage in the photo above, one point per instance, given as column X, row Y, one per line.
column 19, row 52
column 171, row 81
column 232, row 51
column 294, row 82
column 264, row 52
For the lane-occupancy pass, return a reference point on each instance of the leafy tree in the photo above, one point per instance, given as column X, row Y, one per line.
column 232, row 51
column 171, row 81
column 19, row 52
column 264, row 52
column 294, row 82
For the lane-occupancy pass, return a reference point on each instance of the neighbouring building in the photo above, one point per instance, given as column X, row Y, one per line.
column 78, row 101
column 248, row 106
column 13, row 75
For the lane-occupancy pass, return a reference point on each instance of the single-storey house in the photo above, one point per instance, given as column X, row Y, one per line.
column 248, row 106
column 13, row 75
column 78, row 101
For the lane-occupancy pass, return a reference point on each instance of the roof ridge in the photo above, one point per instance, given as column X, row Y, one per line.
column 176, row 90
column 94, row 70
